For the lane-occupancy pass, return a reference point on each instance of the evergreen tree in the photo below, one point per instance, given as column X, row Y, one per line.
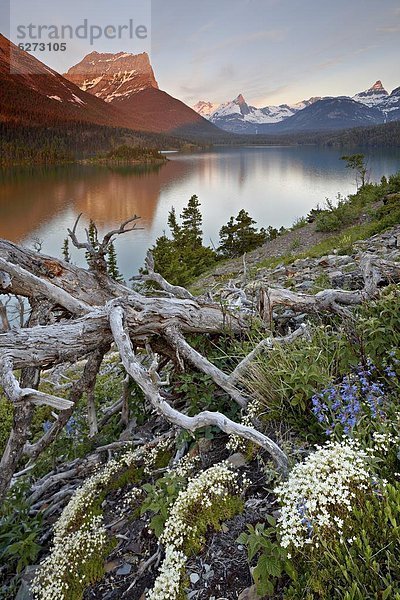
column 239, row 236
column 65, row 251
column 356, row 162
column 93, row 239
column 112, row 265
column 192, row 222
column 183, row 257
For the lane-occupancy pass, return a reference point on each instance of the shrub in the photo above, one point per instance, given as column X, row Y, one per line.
column 6, row 421
column 19, row 532
column 341, row 525
column 285, row 378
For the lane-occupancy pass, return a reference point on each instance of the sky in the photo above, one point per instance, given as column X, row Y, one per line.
column 271, row 51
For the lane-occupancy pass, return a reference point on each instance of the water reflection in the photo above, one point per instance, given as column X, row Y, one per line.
column 274, row 184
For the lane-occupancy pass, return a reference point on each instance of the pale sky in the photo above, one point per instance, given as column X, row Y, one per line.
column 271, row 51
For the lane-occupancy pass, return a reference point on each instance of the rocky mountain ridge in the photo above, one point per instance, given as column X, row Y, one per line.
column 239, row 117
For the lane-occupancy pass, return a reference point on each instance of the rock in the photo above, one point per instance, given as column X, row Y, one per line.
column 194, row 578
column 249, row 594
column 125, row 569
column 392, row 242
column 24, row 592
column 305, row 286
column 237, row 460
column 111, row 566
column 27, row 577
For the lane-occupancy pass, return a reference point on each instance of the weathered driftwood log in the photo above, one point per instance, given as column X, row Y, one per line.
column 86, row 311
column 374, row 271
column 79, row 303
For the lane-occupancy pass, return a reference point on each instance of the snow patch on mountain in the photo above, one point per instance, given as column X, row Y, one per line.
column 374, row 96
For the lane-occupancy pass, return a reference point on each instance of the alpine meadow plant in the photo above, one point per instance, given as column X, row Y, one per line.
column 81, row 542
column 340, row 524
column 339, row 408
column 211, row 497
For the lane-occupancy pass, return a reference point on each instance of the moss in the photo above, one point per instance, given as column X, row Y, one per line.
column 90, row 571
column 163, row 459
column 201, row 518
column 6, row 421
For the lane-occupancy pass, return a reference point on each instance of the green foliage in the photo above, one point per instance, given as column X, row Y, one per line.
column 112, row 264
column 365, row 568
column 379, row 324
column 133, row 153
column 183, row 257
column 6, row 421
column 284, row 379
column 239, row 236
column 356, row 162
column 346, row 211
column 160, row 497
column 299, row 223
column 201, row 517
column 65, row 250
column 19, row 532
column 272, row 560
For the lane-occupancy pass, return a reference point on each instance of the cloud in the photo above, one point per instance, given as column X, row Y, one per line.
column 389, row 29
column 276, row 35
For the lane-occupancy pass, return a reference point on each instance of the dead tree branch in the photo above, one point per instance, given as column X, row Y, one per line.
column 148, row 385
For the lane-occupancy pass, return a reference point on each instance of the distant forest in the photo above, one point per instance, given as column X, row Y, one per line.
column 26, row 144
column 22, row 144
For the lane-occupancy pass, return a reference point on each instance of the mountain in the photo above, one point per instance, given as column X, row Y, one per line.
column 374, row 96
column 118, row 91
column 32, row 93
column 113, row 76
column 370, row 107
column 239, row 117
column 331, row 114
column 127, row 82
column 205, row 109
column 391, row 106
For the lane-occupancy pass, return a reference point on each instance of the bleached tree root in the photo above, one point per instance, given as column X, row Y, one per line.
column 82, row 312
column 147, row 381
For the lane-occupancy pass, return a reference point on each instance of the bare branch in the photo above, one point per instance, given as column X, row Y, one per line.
column 110, row 236
column 200, row 362
column 203, row 419
column 16, row 394
column 265, row 344
column 151, row 275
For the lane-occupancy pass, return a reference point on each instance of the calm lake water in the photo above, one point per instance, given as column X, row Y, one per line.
column 274, row 184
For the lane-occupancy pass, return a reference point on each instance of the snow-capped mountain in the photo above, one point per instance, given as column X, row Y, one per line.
column 31, row 92
column 127, row 82
column 329, row 114
column 113, row 76
column 391, row 106
column 374, row 96
column 205, row 109
column 239, row 117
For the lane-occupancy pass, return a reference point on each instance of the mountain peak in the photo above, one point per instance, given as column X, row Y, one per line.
column 113, row 76
column 377, row 86
column 240, row 100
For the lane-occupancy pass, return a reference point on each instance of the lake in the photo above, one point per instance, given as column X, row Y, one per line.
column 274, row 184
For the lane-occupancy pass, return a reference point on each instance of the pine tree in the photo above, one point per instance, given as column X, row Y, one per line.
column 183, row 257
column 192, row 221
column 239, row 236
column 112, row 265
column 93, row 238
column 65, row 251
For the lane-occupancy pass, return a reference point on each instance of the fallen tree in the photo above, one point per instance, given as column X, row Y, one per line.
column 77, row 314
